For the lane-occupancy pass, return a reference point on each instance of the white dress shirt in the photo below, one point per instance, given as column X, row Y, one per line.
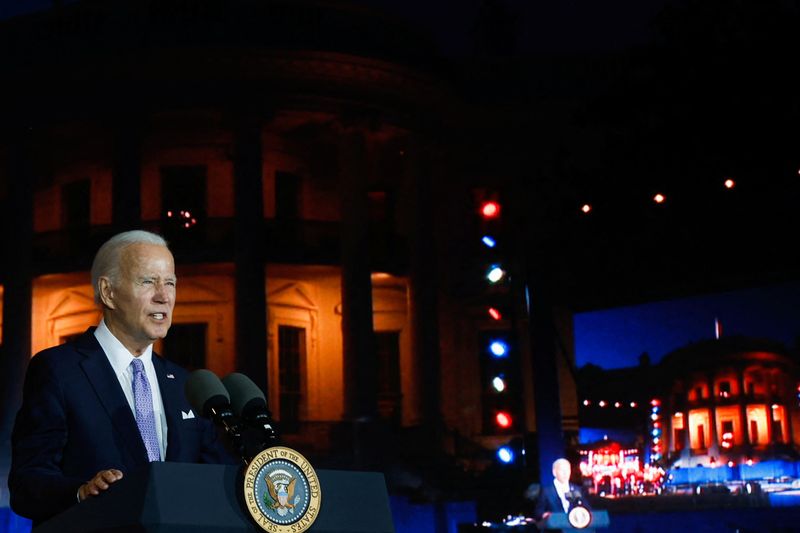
column 121, row 359
column 562, row 489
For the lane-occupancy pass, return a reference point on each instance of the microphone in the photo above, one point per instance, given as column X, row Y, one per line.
column 249, row 404
column 209, row 397
column 574, row 497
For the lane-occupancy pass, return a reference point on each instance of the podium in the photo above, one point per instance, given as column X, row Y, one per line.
column 184, row 498
column 559, row 521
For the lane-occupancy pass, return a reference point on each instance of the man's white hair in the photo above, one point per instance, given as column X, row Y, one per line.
column 561, row 460
column 106, row 261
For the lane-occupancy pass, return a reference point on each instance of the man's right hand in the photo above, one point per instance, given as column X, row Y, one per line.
column 100, row 482
column 540, row 523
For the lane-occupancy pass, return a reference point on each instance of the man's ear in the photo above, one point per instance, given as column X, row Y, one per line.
column 106, row 291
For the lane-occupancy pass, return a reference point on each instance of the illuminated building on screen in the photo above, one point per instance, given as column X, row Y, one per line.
column 723, row 410
column 731, row 401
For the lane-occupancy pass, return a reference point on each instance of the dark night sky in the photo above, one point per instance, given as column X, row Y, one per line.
column 542, row 27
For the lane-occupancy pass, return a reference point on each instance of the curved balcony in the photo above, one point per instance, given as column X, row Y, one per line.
column 211, row 240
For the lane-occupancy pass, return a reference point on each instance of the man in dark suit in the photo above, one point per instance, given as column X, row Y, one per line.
column 559, row 495
column 106, row 405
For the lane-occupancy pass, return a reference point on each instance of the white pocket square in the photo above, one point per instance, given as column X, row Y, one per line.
column 187, row 416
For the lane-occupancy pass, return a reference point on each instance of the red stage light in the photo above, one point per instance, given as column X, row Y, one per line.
column 503, row 419
column 490, row 210
column 494, row 313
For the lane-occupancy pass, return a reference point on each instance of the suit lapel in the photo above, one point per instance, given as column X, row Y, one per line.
column 171, row 397
column 106, row 385
column 556, row 501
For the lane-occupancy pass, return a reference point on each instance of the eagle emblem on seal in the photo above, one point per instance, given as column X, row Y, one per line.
column 280, row 488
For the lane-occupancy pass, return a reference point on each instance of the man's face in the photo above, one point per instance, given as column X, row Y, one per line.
column 561, row 471
column 139, row 305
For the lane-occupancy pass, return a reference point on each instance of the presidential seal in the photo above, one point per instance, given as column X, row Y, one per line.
column 281, row 491
column 579, row 517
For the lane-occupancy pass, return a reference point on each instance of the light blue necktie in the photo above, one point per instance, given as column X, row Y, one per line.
column 145, row 417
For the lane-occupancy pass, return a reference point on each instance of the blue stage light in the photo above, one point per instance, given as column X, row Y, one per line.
column 505, row 454
column 498, row 348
